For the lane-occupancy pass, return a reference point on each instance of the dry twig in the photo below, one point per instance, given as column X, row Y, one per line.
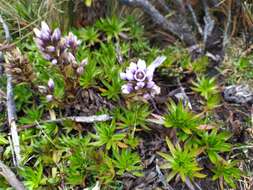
column 79, row 119
column 6, row 172
column 11, row 110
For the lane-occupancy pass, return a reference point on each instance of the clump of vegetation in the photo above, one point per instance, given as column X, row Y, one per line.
column 60, row 79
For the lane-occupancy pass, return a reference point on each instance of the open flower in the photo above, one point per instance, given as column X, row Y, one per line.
column 139, row 78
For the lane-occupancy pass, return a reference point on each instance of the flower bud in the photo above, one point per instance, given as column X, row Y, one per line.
column 50, row 48
column 56, row 36
column 84, row 62
column 46, row 56
column 49, row 97
column 80, row 70
column 50, row 84
column 54, row 61
column 45, row 28
column 37, row 32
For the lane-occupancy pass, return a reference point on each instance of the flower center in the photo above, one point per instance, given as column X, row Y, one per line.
column 140, row 75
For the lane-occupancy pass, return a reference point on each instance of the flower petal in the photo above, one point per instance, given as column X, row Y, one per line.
column 157, row 62
column 123, row 76
column 132, row 67
column 140, row 84
column 127, row 88
column 141, row 64
column 146, row 96
column 150, row 84
column 129, row 75
column 155, row 90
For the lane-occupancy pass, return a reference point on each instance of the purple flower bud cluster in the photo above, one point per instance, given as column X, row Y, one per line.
column 139, row 78
column 54, row 47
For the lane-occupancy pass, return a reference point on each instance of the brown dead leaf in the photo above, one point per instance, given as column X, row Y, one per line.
column 122, row 145
column 206, row 127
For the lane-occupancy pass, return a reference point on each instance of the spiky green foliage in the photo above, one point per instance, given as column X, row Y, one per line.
column 181, row 118
column 33, row 177
column 90, row 35
column 106, row 135
column 208, row 89
column 181, row 161
column 127, row 161
column 215, row 143
column 112, row 27
column 133, row 116
column 228, row 171
column 205, row 86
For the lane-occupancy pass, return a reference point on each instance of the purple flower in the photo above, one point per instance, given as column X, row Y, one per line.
column 139, row 77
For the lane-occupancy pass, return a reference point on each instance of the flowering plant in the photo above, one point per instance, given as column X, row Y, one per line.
column 139, row 78
column 57, row 49
column 61, row 52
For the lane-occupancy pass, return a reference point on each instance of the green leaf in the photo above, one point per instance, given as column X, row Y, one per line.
column 3, row 140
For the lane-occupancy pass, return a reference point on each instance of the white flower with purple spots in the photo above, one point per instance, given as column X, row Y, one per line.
column 139, row 78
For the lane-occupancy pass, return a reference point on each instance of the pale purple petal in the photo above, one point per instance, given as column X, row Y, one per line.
column 123, row 76
column 45, row 36
column 157, row 62
column 129, row 75
column 147, row 96
column 72, row 40
column 150, row 84
column 141, row 64
column 127, row 88
column 39, row 42
column 132, row 67
column 150, row 74
column 140, row 84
